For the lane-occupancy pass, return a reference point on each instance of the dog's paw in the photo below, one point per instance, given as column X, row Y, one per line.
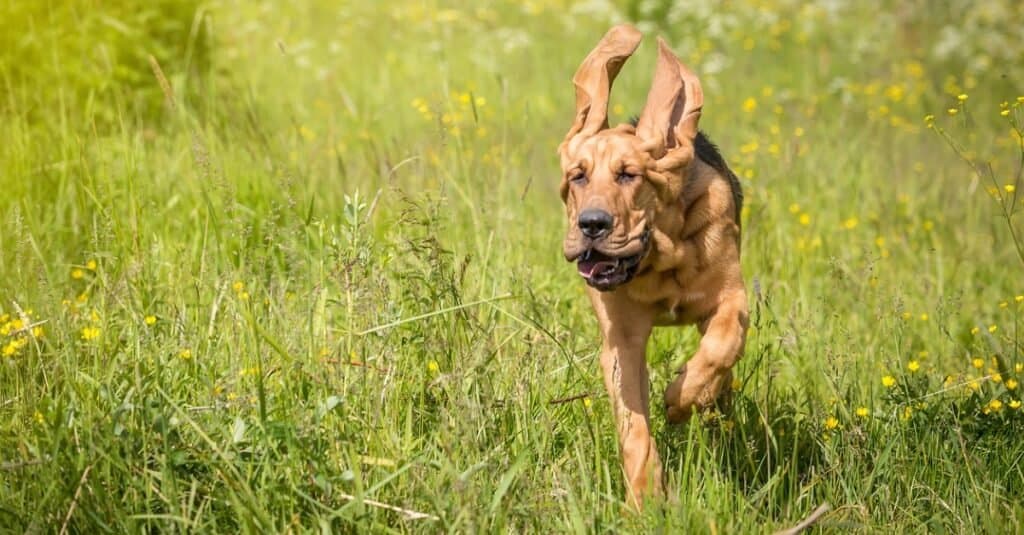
column 697, row 388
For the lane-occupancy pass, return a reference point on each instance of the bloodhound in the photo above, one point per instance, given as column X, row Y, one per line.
column 654, row 230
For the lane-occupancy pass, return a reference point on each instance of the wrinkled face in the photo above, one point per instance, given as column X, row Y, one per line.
column 614, row 180
column 610, row 204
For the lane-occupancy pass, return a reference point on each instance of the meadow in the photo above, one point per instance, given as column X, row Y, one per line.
column 296, row 266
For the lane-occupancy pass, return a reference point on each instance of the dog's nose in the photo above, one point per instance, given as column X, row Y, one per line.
column 595, row 223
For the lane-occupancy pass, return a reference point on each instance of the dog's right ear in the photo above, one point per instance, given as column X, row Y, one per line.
column 593, row 81
column 673, row 108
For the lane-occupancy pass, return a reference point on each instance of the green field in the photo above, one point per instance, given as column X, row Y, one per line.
column 268, row 267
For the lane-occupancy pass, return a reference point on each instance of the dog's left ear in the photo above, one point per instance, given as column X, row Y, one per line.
column 669, row 119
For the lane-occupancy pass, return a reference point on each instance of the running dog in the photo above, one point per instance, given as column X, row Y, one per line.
column 654, row 231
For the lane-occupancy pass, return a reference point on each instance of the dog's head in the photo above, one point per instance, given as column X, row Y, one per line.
column 616, row 181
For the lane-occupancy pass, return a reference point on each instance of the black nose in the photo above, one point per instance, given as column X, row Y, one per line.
column 595, row 223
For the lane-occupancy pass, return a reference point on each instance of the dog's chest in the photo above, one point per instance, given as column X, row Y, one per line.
column 673, row 303
column 678, row 312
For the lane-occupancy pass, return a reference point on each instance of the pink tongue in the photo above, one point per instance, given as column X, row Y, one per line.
column 589, row 268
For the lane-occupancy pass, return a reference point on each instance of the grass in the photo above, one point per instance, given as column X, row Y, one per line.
column 315, row 283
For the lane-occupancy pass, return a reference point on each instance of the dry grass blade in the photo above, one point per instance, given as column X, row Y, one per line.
column 409, row 514
column 74, row 500
column 432, row 314
column 567, row 399
column 17, row 465
column 807, row 522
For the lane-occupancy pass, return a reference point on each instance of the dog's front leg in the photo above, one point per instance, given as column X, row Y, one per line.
column 706, row 376
column 625, row 328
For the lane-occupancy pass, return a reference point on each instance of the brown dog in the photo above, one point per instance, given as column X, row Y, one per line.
column 654, row 229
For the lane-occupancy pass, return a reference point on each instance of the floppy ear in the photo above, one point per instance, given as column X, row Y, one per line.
column 593, row 81
column 669, row 119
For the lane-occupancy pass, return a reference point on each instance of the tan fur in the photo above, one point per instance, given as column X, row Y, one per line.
column 678, row 212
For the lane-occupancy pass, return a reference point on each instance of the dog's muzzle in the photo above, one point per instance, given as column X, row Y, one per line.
column 605, row 272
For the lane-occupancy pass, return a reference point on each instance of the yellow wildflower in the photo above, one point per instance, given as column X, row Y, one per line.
column 150, row 320
column 1019, row 298
column 238, row 286
column 962, row 97
column 185, row 354
column 90, row 333
column 906, row 315
column 750, row 104
column 993, row 328
column 1010, row 188
column 831, row 423
column 91, row 265
column 995, row 405
column 805, row 219
column 978, row 362
column 952, row 111
column 586, row 402
column 1014, row 404
column 1011, row 384
column 794, row 208
column 888, row 381
column 37, row 331
column 432, row 366
column 850, row 223
column 1018, row 367
column 913, row 366
column 77, row 273
column 862, row 412
column 924, row 316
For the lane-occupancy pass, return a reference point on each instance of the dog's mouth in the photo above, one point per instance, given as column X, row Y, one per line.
column 605, row 272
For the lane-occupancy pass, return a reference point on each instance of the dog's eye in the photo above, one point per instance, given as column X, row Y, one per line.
column 579, row 180
column 625, row 178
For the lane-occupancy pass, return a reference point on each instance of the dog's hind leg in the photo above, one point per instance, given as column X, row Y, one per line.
column 625, row 329
column 706, row 378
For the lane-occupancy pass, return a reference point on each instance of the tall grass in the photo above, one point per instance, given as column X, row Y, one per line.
column 314, row 283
